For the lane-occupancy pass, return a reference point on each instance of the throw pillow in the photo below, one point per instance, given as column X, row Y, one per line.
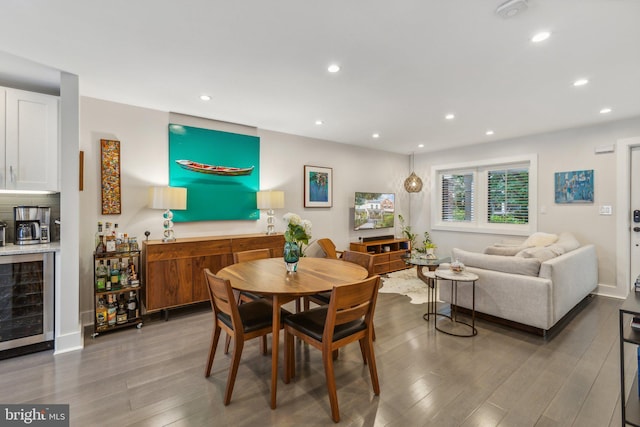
column 542, row 254
column 503, row 250
column 540, row 239
column 567, row 241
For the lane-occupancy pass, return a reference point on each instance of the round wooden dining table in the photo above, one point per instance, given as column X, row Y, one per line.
column 269, row 277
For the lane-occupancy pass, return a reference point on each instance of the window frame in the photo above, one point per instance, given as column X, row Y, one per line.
column 479, row 169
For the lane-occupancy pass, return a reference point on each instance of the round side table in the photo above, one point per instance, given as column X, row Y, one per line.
column 452, row 327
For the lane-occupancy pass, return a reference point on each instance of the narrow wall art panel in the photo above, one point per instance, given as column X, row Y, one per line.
column 110, row 177
column 220, row 170
column 574, row 186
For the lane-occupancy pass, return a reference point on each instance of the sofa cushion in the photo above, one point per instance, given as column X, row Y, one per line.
column 542, row 254
column 567, row 241
column 506, row 264
column 507, row 250
column 540, row 239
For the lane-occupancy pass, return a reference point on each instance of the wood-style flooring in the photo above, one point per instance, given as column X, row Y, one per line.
column 502, row 377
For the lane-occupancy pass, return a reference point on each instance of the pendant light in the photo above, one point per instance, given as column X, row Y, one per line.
column 413, row 184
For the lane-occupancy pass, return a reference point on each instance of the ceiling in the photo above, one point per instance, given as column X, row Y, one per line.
column 405, row 64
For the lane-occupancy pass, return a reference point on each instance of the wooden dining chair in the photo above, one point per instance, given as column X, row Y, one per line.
column 347, row 318
column 361, row 258
column 329, row 248
column 241, row 322
column 251, row 255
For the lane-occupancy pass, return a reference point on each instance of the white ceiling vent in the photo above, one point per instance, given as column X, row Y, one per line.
column 511, row 8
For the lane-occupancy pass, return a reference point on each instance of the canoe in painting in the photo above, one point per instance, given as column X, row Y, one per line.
column 212, row 169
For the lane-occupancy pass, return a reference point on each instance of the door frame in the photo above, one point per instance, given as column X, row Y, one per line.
column 623, row 219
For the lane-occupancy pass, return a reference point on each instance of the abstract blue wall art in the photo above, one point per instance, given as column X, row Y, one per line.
column 220, row 170
column 318, row 185
column 574, row 186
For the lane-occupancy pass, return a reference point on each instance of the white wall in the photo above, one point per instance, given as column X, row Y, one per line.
column 143, row 136
column 557, row 151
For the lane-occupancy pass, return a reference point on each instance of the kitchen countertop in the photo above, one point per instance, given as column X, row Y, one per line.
column 11, row 249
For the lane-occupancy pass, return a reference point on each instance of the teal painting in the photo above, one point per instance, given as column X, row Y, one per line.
column 220, row 170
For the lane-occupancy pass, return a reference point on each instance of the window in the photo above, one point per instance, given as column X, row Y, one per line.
column 493, row 196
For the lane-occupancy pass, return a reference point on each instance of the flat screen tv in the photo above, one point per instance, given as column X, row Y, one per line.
column 374, row 210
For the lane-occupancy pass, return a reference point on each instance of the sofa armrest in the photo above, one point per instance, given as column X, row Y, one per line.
column 574, row 276
column 506, row 264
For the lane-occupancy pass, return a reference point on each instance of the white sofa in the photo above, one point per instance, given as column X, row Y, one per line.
column 535, row 287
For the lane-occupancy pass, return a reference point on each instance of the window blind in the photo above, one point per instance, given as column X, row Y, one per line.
column 457, row 197
column 508, row 196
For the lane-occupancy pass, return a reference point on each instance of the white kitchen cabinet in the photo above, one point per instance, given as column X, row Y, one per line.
column 29, row 149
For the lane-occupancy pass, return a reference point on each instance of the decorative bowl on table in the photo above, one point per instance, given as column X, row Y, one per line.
column 456, row 266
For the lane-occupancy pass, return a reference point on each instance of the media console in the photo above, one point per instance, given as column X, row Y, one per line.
column 387, row 253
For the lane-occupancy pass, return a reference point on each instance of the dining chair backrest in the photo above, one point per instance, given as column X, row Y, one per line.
column 328, row 248
column 251, row 255
column 222, row 298
column 349, row 303
column 361, row 258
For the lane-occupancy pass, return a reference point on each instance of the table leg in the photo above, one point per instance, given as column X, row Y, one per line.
column 275, row 340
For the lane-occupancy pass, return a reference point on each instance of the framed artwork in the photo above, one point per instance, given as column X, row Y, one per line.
column 574, row 186
column 110, row 177
column 220, row 170
column 318, row 185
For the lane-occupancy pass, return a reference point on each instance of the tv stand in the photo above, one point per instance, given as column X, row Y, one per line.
column 387, row 253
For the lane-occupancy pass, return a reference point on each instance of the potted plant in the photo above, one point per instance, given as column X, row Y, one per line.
column 429, row 246
column 406, row 232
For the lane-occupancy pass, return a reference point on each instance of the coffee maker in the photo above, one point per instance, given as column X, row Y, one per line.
column 32, row 224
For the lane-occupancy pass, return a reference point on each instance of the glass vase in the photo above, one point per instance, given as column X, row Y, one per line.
column 291, row 256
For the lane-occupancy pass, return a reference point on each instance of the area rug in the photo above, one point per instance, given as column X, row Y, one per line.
column 405, row 282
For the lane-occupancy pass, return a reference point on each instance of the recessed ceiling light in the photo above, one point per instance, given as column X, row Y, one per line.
column 375, row 135
column 205, row 97
column 420, row 145
column 450, row 116
column 580, row 82
column 605, row 110
column 540, row 37
column 489, row 132
column 319, row 122
column 333, row 68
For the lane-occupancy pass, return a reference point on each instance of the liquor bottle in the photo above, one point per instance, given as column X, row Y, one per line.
column 98, row 234
column 109, row 239
column 134, row 282
column 112, row 308
column 121, row 314
column 124, row 280
column 101, row 314
column 115, row 275
column 101, row 277
column 117, row 237
column 132, row 306
column 108, row 284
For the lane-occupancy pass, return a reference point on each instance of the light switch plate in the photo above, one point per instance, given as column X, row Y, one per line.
column 605, row 210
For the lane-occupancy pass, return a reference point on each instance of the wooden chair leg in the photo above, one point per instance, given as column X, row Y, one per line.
column 215, row 335
column 227, row 341
column 263, row 344
column 233, row 369
column 363, row 351
column 373, row 371
column 335, row 353
column 327, row 359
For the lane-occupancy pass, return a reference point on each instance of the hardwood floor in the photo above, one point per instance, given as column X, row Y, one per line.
column 502, row 377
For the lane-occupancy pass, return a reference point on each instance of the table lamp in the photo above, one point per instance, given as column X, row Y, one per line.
column 168, row 198
column 270, row 200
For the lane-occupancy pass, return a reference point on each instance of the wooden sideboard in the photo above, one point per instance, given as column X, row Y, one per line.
column 387, row 253
column 173, row 271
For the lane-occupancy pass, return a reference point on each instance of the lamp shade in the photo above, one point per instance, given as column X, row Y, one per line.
column 270, row 199
column 168, row 198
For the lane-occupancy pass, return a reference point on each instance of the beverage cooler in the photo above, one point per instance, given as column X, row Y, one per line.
column 26, row 303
